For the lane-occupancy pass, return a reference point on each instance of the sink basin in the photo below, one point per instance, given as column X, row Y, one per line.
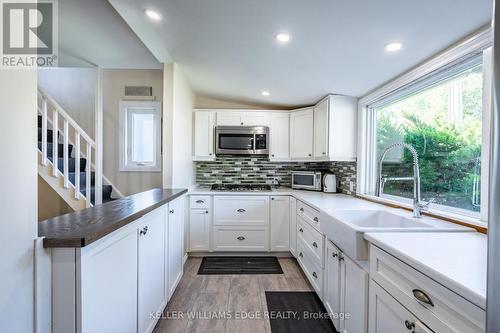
column 346, row 228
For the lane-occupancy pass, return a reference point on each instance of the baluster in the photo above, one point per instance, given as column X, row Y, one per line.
column 44, row 131
column 66, row 154
column 55, row 130
column 88, row 195
column 77, row 165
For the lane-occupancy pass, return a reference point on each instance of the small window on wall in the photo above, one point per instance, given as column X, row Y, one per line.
column 140, row 136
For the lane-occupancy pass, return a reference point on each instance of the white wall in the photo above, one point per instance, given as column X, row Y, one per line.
column 74, row 90
column 204, row 102
column 178, row 167
column 18, row 197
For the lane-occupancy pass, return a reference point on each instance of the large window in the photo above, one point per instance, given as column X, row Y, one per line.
column 442, row 115
column 140, row 138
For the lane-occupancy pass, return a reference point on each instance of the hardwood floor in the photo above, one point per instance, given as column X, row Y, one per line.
column 200, row 302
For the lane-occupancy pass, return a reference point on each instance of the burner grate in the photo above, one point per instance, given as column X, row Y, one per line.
column 241, row 187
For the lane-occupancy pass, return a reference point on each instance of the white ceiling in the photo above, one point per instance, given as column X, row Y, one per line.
column 227, row 47
column 92, row 33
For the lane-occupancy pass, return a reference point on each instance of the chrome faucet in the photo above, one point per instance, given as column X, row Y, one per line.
column 418, row 205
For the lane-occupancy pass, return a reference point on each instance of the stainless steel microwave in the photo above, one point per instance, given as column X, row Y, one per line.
column 242, row 140
column 307, row 180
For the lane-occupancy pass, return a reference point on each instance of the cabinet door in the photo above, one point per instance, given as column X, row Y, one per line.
column 280, row 223
column 204, row 135
column 387, row 314
column 321, row 130
column 332, row 282
column 241, row 210
column 199, row 230
column 150, row 274
column 293, row 226
column 280, row 136
column 175, row 243
column 301, row 134
column 229, row 118
column 354, row 297
column 249, row 118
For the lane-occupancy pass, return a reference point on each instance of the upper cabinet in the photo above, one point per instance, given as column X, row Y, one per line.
column 204, row 122
column 302, row 134
column 279, row 136
column 242, row 118
column 321, row 130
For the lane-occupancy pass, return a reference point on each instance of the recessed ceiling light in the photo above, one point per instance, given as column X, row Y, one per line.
column 283, row 37
column 393, row 47
column 153, row 14
column 266, row 93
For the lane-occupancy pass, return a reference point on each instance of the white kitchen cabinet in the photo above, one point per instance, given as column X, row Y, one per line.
column 280, row 223
column 241, row 238
column 241, row 210
column 346, row 291
column 387, row 315
column 204, row 124
column 321, row 129
column 175, row 243
column 279, row 136
column 242, row 118
column 228, row 118
column 199, row 230
column 302, row 134
column 151, row 283
column 293, row 226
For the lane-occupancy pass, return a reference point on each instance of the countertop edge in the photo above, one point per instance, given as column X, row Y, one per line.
column 74, row 242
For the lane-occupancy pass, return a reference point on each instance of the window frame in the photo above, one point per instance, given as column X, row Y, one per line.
column 367, row 162
column 126, row 165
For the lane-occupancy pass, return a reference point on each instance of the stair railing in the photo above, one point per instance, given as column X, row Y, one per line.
column 49, row 105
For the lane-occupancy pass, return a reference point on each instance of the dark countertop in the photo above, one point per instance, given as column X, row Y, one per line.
column 88, row 225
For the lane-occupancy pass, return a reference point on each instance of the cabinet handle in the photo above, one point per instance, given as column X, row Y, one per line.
column 315, row 244
column 206, row 212
column 171, row 211
column 301, row 255
column 301, row 230
column 341, row 257
column 200, row 201
column 422, row 297
column 144, row 231
column 315, row 219
column 302, row 210
column 240, row 238
column 335, row 254
column 409, row 325
column 310, row 155
column 241, row 210
column 324, row 153
column 315, row 275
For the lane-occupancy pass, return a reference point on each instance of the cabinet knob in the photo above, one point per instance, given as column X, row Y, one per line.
column 241, row 123
column 240, row 238
column 241, row 210
column 409, row 325
column 324, row 153
column 315, row 219
column 335, row 254
column 200, row 201
column 315, row 275
column 144, row 231
column 315, row 244
column 209, row 154
column 301, row 230
column 171, row 211
column 301, row 255
column 272, row 198
column 422, row 297
column 302, row 210
column 309, row 155
column 206, row 212
column 272, row 155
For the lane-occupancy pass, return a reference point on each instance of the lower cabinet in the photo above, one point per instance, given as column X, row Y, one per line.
column 293, row 226
column 241, row 238
column 345, row 292
column 280, row 223
column 151, row 296
column 175, row 248
column 388, row 315
column 199, row 230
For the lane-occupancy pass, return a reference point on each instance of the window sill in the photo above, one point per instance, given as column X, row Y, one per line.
column 467, row 221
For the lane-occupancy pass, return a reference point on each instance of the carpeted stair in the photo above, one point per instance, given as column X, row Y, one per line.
column 106, row 189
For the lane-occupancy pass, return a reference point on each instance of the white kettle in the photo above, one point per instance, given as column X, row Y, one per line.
column 329, row 183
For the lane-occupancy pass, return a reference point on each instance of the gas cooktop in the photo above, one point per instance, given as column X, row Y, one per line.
column 241, row 187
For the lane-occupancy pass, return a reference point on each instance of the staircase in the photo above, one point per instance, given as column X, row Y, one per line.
column 74, row 178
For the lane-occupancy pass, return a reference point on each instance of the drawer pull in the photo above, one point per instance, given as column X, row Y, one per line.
column 315, row 244
column 240, row 238
column 316, row 219
column 172, row 211
column 422, row 297
column 409, row 325
column 315, row 275
column 335, row 254
column 341, row 257
column 301, row 230
column 144, row 231
column 200, row 201
column 241, row 210
column 301, row 255
column 302, row 210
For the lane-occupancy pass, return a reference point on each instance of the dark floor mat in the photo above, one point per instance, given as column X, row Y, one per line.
column 297, row 312
column 240, row 265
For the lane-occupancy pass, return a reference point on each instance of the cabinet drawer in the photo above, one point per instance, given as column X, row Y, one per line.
column 199, row 201
column 311, row 268
column 241, row 238
column 309, row 214
column 241, row 210
column 312, row 239
column 445, row 311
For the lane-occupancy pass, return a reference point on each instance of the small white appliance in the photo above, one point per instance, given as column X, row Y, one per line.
column 306, row 180
column 329, row 183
